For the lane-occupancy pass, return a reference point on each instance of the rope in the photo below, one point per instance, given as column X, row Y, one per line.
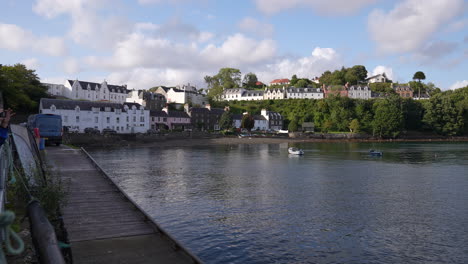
column 6, row 219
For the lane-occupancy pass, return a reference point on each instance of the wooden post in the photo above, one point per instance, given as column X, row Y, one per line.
column 43, row 235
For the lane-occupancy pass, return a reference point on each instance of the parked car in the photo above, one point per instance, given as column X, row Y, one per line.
column 152, row 131
column 91, row 130
column 107, row 131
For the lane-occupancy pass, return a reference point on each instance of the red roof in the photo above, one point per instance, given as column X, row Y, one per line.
column 280, row 81
column 258, row 83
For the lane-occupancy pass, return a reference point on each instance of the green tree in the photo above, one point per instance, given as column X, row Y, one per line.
column 443, row 116
column 247, row 122
column 302, row 83
column 293, row 80
column 21, row 88
column 226, row 78
column 292, row 127
column 354, row 126
column 419, row 76
column 250, row 81
column 388, row 117
column 225, row 121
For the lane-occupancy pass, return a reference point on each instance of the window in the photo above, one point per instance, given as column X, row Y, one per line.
column 134, row 119
column 127, row 118
column 65, row 119
column 95, row 110
column 164, row 119
column 96, row 119
column 77, row 109
column 117, row 120
column 107, row 109
column 108, row 120
column 118, row 111
column 77, row 119
column 142, row 119
column 118, row 128
column 53, row 108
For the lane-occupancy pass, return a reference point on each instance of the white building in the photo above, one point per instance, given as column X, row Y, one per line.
column 185, row 94
column 359, row 92
column 274, row 94
column 260, row 122
column 379, row 78
column 241, row 94
column 304, row 93
column 80, row 90
column 123, row 118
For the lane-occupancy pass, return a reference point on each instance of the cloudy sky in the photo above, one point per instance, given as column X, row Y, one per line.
column 144, row 43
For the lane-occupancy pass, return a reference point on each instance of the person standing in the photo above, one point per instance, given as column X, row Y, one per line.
column 5, row 117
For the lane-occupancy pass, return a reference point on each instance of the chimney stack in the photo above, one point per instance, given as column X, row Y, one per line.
column 208, row 106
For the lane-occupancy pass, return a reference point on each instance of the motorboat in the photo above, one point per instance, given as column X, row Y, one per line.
column 295, row 151
column 375, row 153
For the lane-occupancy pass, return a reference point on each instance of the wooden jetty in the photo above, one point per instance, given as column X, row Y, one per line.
column 104, row 225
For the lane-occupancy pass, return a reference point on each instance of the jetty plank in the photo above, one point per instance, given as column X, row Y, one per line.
column 102, row 225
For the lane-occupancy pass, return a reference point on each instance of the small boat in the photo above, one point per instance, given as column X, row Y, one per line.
column 375, row 153
column 295, row 151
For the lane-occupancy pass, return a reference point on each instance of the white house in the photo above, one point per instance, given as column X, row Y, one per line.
column 241, row 94
column 260, row 122
column 150, row 100
column 359, row 92
column 185, row 94
column 304, row 93
column 379, row 78
column 81, row 90
column 275, row 93
column 123, row 118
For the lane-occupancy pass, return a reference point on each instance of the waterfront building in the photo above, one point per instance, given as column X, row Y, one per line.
column 274, row 119
column 78, row 115
column 170, row 120
column 185, row 94
column 204, row 118
column 304, row 93
column 90, row 91
column 150, row 100
column 359, row 92
column 260, row 122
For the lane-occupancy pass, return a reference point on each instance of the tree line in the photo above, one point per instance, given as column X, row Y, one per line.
column 445, row 113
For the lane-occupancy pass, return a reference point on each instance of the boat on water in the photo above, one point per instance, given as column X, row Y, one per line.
column 295, row 151
column 375, row 153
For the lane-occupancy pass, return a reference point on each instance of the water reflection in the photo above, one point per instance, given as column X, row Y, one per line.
column 257, row 204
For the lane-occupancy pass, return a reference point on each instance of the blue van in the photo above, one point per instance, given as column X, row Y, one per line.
column 49, row 125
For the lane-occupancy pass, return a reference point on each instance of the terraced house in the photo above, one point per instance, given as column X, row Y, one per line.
column 90, row 91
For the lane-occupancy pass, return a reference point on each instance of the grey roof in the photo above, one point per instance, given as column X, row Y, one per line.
column 95, row 86
column 252, row 93
column 237, row 117
column 83, row 105
column 259, row 117
column 359, row 87
column 303, row 90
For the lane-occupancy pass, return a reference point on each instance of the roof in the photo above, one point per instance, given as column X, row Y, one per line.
column 259, row 117
column 95, row 86
column 375, row 76
column 359, row 87
column 83, row 105
column 237, row 117
column 280, row 81
column 252, row 93
column 303, row 90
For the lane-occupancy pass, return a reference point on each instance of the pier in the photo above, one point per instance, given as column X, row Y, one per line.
column 104, row 225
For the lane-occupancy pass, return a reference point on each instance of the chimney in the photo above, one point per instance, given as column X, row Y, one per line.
column 208, row 106
column 166, row 109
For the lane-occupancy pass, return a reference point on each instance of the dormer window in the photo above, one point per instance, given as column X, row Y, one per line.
column 53, row 108
column 95, row 109
column 77, row 109
column 107, row 109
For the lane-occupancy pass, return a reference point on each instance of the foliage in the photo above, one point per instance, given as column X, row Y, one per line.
column 354, row 126
column 419, row 76
column 293, row 80
column 247, row 122
column 250, row 81
column 446, row 113
column 225, row 121
column 354, row 75
column 293, row 127
column 388, row 117
column 226, row 78
column 382, row 88
column 21, row 87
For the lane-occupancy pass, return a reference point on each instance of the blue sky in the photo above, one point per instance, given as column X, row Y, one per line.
column 144, row 43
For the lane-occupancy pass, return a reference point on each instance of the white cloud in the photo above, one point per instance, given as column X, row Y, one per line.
column 71, row 66
column 321, row 59
column 329, row 7
column 14, row 37
column 383, row 69
column 459, row 84
column 31, row 63
column 256, row 27
column 411, row 23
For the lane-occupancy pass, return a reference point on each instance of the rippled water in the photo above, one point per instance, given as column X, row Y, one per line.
column 335, row 204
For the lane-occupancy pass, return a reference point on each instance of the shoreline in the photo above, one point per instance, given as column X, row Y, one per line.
column 188, row 142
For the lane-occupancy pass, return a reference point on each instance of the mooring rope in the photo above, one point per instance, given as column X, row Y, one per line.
column 6, row 219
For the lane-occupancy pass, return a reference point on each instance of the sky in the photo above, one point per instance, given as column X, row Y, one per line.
column 147, row 43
